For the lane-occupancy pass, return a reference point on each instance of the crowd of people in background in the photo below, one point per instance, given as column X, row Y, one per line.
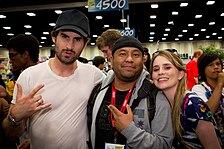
column 123, row 99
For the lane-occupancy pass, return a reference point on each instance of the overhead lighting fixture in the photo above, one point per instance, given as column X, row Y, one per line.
column 152, row 25
column 31, row 14
column 10, row 34
column 207, row 36
column 165, row 34
column 163, row 38
column 105, row 26
column 167, row 29
column 222, row 14
column 42, row 42
column 174, row 13
column 198, row 16
column 2, row 16
column 46, row 33
column 154, row 6
column 127, row 28
column 219, row 37
column 222, row 29
column 153, row 17
column 28, row 33
column 191, row 38
column 180, row 35
column 6, row 27
column 151, row 37
column 210, row 3
column 99, row 17
column 40, row 46
column 58, row 11
column 184, row 31
column 27, row 26
column 176, row 39
column 52, row 24
column 94, row 36
column 152, row 33
column 123, row 20
column 92, row 43
column 0, row 45
column 53, row 45
column 150, row 40
column 211, row 23
column 86, row 6
column 183, row 4
column 214, row 34
column 171, row 22
column 190, row 25
column 43, row 38
column 196, row 35
column 203, row 29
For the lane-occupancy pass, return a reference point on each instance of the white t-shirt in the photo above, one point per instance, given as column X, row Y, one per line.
column 65, row 124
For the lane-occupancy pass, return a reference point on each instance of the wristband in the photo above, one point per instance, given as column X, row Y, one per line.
column 13, row 121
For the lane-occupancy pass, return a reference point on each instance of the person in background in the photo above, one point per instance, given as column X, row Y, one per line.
column 192, row 119
column 147, row 59
column 120, row 93
column 99, row 62
column 50, row 99
column 83, row 60
column 211, row 89
column 23, row 52
column 192, row 70
column 106, row 40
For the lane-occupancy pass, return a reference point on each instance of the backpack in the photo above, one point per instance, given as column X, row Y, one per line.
column 147, row 90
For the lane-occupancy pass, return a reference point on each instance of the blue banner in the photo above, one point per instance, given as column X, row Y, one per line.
column 127, row 32
column 107, row 5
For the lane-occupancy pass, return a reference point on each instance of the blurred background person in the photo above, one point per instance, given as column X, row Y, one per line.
column 99, row 62
column 147, row 59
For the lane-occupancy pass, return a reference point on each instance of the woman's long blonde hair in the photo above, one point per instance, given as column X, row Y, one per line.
column 180, row 92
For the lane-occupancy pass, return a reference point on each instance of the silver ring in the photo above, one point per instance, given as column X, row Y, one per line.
column 39, row 102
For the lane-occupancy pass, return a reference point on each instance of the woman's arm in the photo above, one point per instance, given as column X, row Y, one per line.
column 207, row 135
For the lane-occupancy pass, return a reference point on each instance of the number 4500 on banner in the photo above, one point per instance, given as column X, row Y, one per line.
column 107, row 5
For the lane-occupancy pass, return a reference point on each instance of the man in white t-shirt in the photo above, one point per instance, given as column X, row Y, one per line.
column 50, row 100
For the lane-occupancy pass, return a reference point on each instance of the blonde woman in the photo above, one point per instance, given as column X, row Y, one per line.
column 192, row 119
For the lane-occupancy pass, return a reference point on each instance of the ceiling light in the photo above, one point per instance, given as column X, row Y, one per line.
column 53, row 45
column 31, row 14
column 211, row 23
column 214, row 34
column 154, row 6
column 207, row 36
column 152, row 33
column 94, row 36
column 219, row 37
column 28, row 33
column 222, row 14
column 183, row 4
column 171, row 22
column 184, row 31
column 167, row 29
column 123, row 20
column 127, row 28
column 150, row 40
column 92, row 43
column 152, row 25
column 174, row 13
column 40, row 46
column 86, row 6
column 153, row 17
column 198, row 16
column 203, row 29
column 27, row 26
column 165, row 34
column 6, row 27
column 42, row 42
column 52, row 24
column 222, row 29
column 191, row 38
column 2, row 16
column 151, row 37
column 106, row 26
column 190, row 25
column 210, row 2
column 176, row 38
column 10, row 34
column 99, row 17
column 58, row 11
column 46, row 33
column 180, row 35
column 163, row 38
column 196, row 34
column 43, row 38
column 0, row 45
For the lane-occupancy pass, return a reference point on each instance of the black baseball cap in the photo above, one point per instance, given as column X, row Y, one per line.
column 73, row 20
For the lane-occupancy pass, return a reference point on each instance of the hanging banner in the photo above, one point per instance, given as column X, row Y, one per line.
column 127, row 32
column 107, row 5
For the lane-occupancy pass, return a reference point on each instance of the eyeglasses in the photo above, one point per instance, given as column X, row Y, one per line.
column 169, row 50
column 11, row 55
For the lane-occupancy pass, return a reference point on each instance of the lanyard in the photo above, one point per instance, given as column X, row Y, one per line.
column 113, row 102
